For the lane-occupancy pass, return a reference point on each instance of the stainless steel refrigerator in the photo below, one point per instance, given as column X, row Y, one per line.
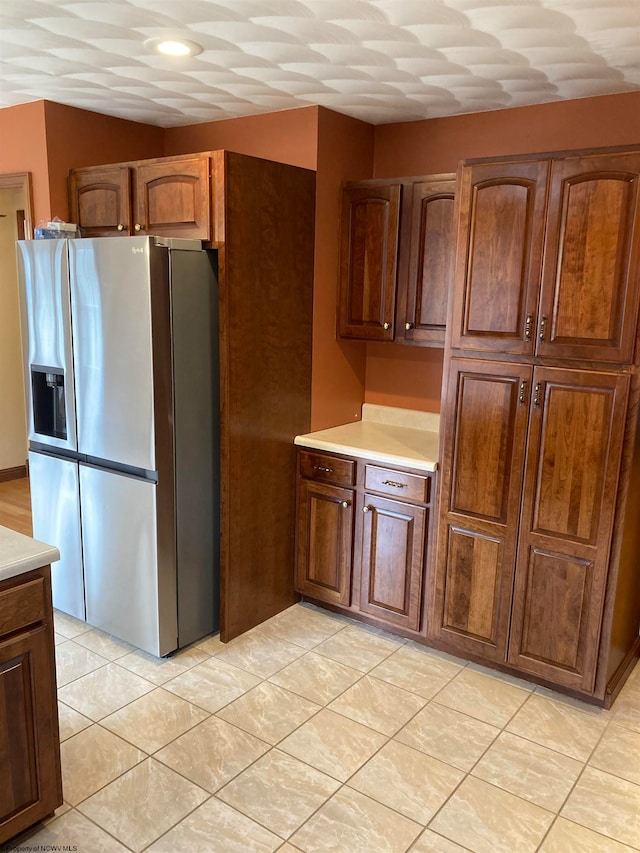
column 120, row 352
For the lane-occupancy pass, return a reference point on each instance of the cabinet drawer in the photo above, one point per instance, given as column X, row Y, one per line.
column 398, row 484
column 22, row 605
column 327, row 469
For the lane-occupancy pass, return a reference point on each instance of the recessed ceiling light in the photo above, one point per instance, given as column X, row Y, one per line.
column 173, row 47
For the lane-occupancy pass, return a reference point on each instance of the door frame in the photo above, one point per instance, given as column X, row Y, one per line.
column 21, row 181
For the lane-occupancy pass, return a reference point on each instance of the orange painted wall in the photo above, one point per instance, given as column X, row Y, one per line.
column 412, row 379
column 23, row 149
column 289, row 136
column 82, row 138
column 436, row 145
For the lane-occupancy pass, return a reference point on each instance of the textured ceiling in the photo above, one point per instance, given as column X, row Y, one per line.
column 377, row 60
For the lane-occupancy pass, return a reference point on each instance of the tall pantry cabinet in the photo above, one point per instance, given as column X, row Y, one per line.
column 538, row 554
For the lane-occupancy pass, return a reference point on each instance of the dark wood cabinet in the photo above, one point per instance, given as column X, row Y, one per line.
column 363, row 545
column 591, row 275
column 370, row 229
column 168, row 197
column 424, row 292
column 325, row 542
column 569, row 501
column 396, row 259
column 31, row 787
column 481, row 483
column 172, row 198
column 100, row 200
column 548, row 258
column 534, row 600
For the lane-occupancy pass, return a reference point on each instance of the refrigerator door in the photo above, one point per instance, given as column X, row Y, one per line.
column 43, row 276
column 112, row 342
column 130, row 588
column 55, row 509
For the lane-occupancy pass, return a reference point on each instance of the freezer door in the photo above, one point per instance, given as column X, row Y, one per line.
column 43, row 277
column 55, row 511
column 111, row 306
column 130, row 587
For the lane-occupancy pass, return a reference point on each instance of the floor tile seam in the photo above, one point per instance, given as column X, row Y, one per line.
column 306, row 648
column 173, row 739
column 575, row 785
column 588, row 762
column 118, row 663
column 135, row 850
column 255, row 820
column 97, row 825
column 291, row 690
column 366, row 725
column 82, row 675
column 582, row 826
column 171, row 828
column 277, row 743
column 552, row 814
column 344, row 785
column 365, row 672
column 566, row 800
column 145, row 756
column 408, row 689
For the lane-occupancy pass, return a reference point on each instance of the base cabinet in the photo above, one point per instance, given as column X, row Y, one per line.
column 30, row 776
column 363, row 547
column 530, row 478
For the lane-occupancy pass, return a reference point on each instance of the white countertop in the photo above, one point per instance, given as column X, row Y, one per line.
column 385, row 434
column 20, row 554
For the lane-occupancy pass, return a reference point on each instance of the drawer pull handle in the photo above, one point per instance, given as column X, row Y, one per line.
column 345, row 504
column 394, row 484
column 367, row 508
column 386, row 326
column 323, row 469
column 543, row 325
column 527, row 327
column 408, row 326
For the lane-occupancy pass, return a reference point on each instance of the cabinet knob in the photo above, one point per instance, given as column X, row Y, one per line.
column 367, row 508
column 386, row 326
column 120, row 226
column 408, row 326
column 137, row 227
column 345, row 504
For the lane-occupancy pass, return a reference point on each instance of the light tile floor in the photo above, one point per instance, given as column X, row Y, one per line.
column 315, row 734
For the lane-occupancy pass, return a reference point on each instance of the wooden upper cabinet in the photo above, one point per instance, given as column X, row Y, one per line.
column 100, row 200
column 431, row 260
column 569, row 499
column 499, row 252
column 173, row 198
column 481, row 481
column 591, row 276
column 169, row 197
column 368, row 261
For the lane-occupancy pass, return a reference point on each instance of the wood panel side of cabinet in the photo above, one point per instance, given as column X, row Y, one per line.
column 369, row 236
column 265, row 285
column 620, row 640
column 499, row 255
column 425, row 289
column 591, row 275
column 569, row 502
column 100, row 201
column 484, row 432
